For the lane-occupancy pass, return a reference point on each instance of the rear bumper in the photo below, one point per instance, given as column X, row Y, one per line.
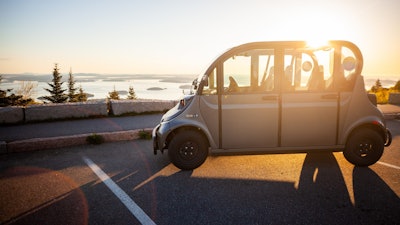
column 388, row 138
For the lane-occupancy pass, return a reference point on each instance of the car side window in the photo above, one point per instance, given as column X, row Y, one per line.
column 249, row 72
column 303, row 72
column 348, row 66
column 211, row 84
column 267, row 72
column 237, row 74
column 338, row 77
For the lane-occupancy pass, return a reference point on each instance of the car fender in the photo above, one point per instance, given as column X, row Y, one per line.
column 371, row 122
column 189, row 123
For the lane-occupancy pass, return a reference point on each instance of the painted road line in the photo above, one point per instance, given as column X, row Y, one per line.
column 123, row 197
column 389, row 165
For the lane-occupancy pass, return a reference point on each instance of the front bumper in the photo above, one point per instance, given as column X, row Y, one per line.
column 155, row 139
column 159, row 136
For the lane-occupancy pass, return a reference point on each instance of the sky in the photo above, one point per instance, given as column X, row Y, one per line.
column 183, row 36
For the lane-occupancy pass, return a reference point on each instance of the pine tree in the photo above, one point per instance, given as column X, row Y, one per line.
column 377, row 86
column 113, row 95
column 81, row 96
column 131, row 93
column 56, row 91
column 397, row 86
column 71, row 88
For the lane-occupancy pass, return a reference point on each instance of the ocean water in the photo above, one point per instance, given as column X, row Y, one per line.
column 162, row 87
column 148, row 86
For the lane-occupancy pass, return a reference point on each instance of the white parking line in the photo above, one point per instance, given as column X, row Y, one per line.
column 123, row 197
column 389, row 165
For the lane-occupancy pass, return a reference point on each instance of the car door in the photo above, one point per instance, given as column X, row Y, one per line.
column 309, row 119
column 309, row 110
column 249, row 103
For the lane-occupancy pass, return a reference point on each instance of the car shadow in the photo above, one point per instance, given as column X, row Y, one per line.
column 374, row 199
column 169, row 196
column 321, row 197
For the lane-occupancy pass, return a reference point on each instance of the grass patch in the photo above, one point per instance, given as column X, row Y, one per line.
column 144, row 134
column 95, row 139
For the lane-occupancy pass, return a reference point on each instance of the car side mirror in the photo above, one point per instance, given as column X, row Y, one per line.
column 194, row 84
column 205, row 80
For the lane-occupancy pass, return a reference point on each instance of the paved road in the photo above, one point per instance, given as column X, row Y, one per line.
column 60, row 186
column 71, row 127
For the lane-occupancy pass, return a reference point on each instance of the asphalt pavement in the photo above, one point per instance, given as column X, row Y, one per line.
column 57, row 134
column 34, row 136
column 17, row 132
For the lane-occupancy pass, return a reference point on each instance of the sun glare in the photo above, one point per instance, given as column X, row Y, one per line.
column 315, row 43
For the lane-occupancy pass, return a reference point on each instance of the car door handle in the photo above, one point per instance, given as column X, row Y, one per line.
column 329, row 96
column 270, row 98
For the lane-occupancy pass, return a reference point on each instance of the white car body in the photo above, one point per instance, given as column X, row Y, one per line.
column 267, row 97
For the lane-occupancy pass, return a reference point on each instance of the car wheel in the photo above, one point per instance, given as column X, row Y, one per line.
column 188, row 150
column 364, row 148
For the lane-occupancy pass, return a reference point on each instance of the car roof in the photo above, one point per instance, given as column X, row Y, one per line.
column 290, row 44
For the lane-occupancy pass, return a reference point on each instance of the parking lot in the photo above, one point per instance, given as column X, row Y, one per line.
column 124, row 183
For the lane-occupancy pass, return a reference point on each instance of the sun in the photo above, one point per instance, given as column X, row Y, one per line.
column 316, row 42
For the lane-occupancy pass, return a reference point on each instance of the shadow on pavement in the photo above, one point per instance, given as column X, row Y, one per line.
column 321, row 198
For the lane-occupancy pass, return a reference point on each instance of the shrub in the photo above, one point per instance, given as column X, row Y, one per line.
column 144, row 135
column 131, row 93
column 13, row 99
column 381, row 93
column 382, row 96
column 95, row 139
column 113, row 94
column 81, row 96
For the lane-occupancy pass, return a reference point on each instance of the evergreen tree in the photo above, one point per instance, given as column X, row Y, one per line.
column 71, row 88
column 397, row 86
column 131, row 93
column 113, row 95
column 56, row 91
column 377, row 86
column 81, row 96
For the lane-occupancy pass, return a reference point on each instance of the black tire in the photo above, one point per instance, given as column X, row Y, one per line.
column 188, row 150
column 364, row 147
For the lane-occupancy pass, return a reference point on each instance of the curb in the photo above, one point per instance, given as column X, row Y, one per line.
column 392, row 116
column 36, row 144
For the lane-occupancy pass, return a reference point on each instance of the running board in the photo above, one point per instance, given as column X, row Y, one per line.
column 277, row 150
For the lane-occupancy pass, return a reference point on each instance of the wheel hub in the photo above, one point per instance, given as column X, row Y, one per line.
column 364, row 149
column 188, row 150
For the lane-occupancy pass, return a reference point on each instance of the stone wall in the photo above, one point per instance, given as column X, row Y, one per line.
column 11, row 114
column 394, row 98
column 14, row 114
column 65, row 111
column 120, row 107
